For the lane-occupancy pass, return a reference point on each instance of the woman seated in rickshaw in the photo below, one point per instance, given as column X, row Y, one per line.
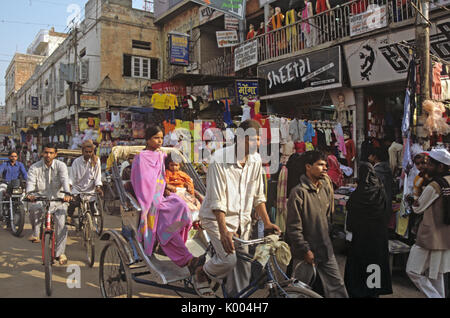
column 165, row 217
column 180, row 183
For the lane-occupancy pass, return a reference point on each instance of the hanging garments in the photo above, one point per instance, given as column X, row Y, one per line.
column 291, row 32
column 227, row 112
column 282, row 199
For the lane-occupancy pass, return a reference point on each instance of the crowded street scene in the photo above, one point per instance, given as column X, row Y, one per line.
column 191, row 149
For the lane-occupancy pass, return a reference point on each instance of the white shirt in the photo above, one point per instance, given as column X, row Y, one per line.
column 233, row 189
column 84, row 177
column 429, row 195
column 246, row 113
column 48, row 181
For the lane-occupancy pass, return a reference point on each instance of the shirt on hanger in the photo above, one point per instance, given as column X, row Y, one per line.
column 172, row 101
column 159, row 101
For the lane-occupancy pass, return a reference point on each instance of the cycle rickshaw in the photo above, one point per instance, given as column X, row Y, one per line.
column 123, row 259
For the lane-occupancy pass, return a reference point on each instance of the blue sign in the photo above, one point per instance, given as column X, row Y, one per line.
column 248, row 89
column 179, row 49
column 34, row 103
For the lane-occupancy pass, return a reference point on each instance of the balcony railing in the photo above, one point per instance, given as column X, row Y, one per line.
column 327, row 26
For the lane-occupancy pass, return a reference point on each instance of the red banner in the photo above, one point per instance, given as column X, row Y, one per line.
column 170, row 87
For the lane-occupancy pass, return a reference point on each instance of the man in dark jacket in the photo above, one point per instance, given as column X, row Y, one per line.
column 379, row 158
column 307, row 231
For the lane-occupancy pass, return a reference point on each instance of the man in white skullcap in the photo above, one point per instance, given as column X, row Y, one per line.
column 429, row 258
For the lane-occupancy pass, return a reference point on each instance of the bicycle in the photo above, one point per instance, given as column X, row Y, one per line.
column 47, row 239
column 110, row 196
column 86, row 225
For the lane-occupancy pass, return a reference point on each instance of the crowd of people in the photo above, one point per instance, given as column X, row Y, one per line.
column 235, row 195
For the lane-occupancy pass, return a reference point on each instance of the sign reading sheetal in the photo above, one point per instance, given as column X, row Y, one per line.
column 246, row 55
column 301, row 74
column 235, row 8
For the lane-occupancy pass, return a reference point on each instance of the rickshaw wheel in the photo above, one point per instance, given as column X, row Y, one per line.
column 115, row 276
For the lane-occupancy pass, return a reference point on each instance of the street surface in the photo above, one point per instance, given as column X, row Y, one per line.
column 22, row 272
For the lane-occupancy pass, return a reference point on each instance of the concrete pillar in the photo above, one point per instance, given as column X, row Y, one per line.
column 360, row 120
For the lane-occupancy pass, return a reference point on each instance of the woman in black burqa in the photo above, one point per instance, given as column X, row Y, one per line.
column 367, row 220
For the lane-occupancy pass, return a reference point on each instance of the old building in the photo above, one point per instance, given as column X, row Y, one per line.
column 106, row 62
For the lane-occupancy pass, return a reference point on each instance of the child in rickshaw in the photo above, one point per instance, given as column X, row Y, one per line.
column 165, row 216
column 180, row 183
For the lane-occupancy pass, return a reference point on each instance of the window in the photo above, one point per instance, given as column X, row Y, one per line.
column 142, row 45
column 140, row 67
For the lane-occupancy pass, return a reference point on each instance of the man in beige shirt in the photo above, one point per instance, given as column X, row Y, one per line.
column 234, row 187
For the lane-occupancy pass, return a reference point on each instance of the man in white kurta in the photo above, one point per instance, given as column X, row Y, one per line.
column 429, row 257
column 85, row 176
column 235, row 187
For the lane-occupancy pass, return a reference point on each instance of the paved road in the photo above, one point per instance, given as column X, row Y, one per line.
column 21, row 270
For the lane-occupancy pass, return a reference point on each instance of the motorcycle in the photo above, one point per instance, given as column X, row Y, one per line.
column 13, row 210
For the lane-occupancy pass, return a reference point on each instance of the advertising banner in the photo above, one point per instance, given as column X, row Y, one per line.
column 235, row 8
column 178, row 49
column 89, row 101
column 208, row 14
column 373, row 18
column 248, row 89
column 231, row 23
column 301, row 74
column 227, row 38
column 385, row 58
column 246, row 55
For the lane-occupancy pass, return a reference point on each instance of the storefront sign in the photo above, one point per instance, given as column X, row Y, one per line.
column 89, row 101
column 179, row 49
column 246, row 55
column 373, row 18
column 248, row 89
column 385, row 58
column 231, row 23
column 235, row 8
column 5, row 130
column 34, row 103
column 170, row 88
column 208, row 14
column 304, row 73
column 227, row 38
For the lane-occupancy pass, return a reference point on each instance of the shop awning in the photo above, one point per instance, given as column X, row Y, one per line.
column 202, row 79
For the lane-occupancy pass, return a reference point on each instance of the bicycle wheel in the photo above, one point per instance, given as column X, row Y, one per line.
column 98, row 219
column 47, row 250
column 88, row 238
column 114, row 274
column 18, row 220
column 297, row 292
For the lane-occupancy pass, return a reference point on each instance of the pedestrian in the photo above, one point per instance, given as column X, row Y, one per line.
column 379, row 158
column 48, row 178
column 367, row 221
column 334, row 171
column 429, row 258
column 235, row 186
column 307, row 229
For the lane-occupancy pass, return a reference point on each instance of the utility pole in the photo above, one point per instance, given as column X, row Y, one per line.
column 423, row 51
column 75, row 85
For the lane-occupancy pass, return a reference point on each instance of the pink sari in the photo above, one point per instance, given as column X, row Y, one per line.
column 167, row 218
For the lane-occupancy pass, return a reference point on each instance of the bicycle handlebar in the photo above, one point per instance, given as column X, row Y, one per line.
column 250, row 242
column 43, row 199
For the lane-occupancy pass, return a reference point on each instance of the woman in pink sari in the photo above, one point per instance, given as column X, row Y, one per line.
column 165, row 217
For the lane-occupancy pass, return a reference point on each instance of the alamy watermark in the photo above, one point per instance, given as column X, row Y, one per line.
column 74, row 278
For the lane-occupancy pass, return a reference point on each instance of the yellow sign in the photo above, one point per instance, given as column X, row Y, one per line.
column 89, row 101
column 5, row 130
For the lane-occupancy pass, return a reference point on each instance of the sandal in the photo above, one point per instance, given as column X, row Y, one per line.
column 203, row 289
column 196, row 262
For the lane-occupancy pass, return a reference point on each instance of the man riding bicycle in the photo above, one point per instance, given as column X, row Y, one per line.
column 48, row 177
column 85, row 177
column 11, row 170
